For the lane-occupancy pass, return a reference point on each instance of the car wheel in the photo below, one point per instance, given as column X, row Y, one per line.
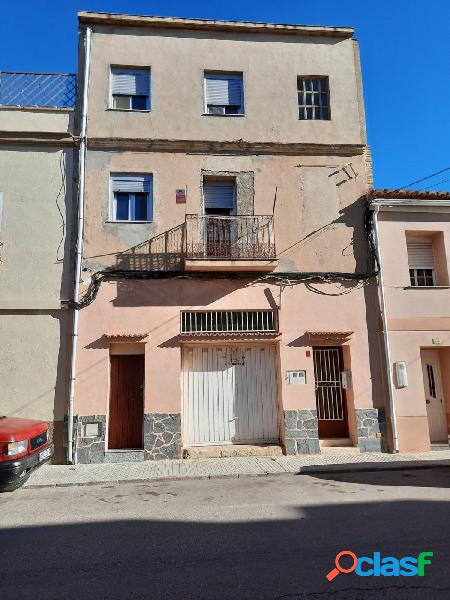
column 16, row 484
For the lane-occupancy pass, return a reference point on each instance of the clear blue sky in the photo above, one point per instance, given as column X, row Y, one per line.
column 405, row 54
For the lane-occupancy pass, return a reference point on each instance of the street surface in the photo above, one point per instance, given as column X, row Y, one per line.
column 257, row 538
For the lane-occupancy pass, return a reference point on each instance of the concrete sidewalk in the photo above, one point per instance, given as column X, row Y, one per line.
column 64, row 475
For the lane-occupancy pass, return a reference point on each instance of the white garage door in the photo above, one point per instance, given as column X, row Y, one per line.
column 229, row 395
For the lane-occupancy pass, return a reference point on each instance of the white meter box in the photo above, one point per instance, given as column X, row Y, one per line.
column 296, row 377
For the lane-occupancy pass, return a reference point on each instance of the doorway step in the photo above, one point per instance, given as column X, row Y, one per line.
column 230, row 450
column 118, row 456
column 337, row 446
column 439, row 446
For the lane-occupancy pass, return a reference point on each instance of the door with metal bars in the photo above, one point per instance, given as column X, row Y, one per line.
column 330, row 397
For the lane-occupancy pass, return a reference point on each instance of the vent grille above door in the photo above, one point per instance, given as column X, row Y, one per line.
column 230, row 321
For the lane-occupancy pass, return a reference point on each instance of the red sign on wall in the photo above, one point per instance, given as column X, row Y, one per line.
column 180, row 196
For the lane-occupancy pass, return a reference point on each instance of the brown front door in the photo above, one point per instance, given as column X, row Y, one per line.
column 126, row 404
column 330, row 397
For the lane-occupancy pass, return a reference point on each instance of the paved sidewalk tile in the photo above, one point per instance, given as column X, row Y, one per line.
column 64, row 475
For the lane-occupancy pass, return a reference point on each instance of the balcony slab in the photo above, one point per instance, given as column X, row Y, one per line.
column 204, row 264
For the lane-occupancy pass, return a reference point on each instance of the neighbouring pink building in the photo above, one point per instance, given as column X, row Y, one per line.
column 414, row 241
column 228, row 291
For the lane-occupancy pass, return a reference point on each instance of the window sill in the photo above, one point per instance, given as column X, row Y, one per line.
column 130, row 222
column 427, row 287
column 129, row 110
column 228, row 116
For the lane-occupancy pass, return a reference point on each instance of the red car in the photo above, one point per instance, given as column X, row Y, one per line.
column 24, row 446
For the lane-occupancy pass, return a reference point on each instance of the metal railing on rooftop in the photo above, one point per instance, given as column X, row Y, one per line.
column 40, row 90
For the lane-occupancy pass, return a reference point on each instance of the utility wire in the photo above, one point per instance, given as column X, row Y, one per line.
column 424, row 178
column 437, row 183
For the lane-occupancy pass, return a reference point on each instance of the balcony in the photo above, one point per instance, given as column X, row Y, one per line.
column 224, row 243
column 38, row 90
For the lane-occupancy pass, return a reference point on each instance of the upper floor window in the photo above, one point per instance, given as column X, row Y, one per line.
column 224, row 93
column 313, row 98
column 422, row 269
column 131, row 197
column 130, row 88
column 219, row 196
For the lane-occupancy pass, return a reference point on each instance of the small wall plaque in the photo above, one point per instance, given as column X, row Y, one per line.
column 180, row 196
column 436, row 341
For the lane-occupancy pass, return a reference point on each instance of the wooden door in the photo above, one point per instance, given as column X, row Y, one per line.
column 330, row 397
column 433, row 396
column 126, row 405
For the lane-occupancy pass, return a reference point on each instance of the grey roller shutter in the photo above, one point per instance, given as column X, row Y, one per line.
column 131, row 183
column 420, row 253
column 129, row 82
column 218, row 194
column 223, row 90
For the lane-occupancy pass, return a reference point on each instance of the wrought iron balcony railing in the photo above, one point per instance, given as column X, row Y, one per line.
column 42, row 90
column 249, row 237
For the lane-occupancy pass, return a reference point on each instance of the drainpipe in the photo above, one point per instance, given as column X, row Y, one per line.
column 387, row 350
column 79, row 249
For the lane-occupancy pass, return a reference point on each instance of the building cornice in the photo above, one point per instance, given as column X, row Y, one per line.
column 114, row 20
column 36, row 138
column 224, row 147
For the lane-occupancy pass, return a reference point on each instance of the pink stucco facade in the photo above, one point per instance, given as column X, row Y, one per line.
column 309, row 178
column 417, row 317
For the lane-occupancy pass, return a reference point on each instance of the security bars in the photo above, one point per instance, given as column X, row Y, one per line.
column 229, row 321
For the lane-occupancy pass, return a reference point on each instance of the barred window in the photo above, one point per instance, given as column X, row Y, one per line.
column 313, row 98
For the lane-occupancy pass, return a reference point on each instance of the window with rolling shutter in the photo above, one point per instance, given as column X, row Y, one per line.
column 130, row 88
column 421, row 262
column 224, row 94
column 131, row 197
column 218, row 195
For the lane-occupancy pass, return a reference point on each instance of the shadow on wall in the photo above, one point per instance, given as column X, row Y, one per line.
column 352, row 216
column 174, row 292
column 217, row 560
column 164, row 252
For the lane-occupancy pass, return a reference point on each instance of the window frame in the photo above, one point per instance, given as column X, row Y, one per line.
column 131, row 68
column 305, row 106
column 112, row 208
column 224, row 75
column 416, row 276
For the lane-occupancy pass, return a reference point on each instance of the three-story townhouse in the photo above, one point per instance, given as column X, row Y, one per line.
column 227, row 302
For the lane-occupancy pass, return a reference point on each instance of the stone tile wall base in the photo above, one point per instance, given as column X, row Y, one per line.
column 90, row 449
column 162, row 436
column 301, row 433
column 371, row 429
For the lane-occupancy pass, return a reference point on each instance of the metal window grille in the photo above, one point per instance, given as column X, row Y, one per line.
column 230, row 321
column 51, row 90
column 313, row 98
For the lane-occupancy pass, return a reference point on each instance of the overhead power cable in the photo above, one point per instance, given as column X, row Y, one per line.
column 424, row 178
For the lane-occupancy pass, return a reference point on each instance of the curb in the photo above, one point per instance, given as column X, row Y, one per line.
column 304, row 470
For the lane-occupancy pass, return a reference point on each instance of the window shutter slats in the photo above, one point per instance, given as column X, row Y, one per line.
column 131, row 183
column 420, row 253
column 223, row 90
column 218, row 195
column 130, row 83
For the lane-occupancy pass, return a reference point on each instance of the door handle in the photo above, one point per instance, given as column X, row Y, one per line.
column 428, row 401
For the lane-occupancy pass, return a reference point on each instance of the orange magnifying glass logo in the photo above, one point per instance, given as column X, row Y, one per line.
column 339, row 568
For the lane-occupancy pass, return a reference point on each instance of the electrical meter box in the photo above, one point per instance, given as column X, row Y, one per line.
column 296, row 377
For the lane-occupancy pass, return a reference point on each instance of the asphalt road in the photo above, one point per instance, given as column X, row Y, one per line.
column 258, row 538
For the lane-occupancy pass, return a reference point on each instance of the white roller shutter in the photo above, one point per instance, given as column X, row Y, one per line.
column 129, row 82
column 223, row 90
column 218, row 194
column 420, row 253
column 229, row 395
column 131, row 183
